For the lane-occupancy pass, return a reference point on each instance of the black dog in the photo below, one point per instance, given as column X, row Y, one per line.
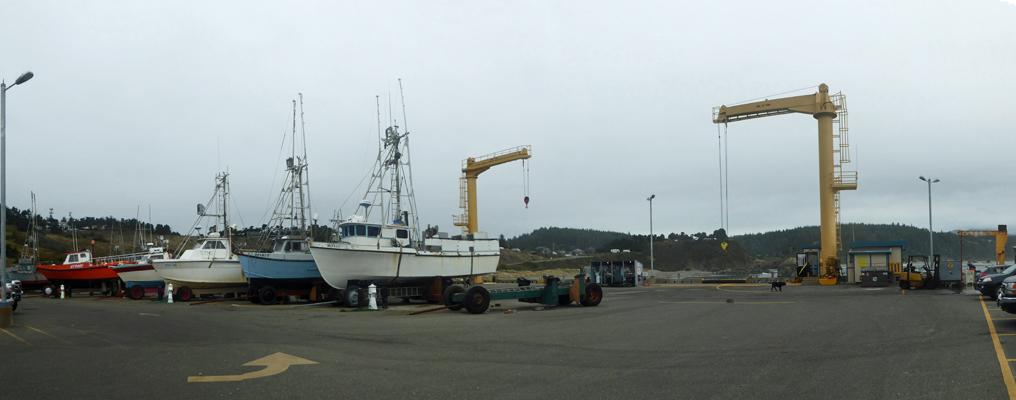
column 778, row 285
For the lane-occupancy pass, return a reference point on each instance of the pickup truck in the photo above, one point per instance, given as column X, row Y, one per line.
column 13, row 292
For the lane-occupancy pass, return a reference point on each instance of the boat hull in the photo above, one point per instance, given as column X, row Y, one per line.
column 201, row 274
column 282, row 271
column 140, row 274
column 80, row 275
column 341, row 265
column 29, row 280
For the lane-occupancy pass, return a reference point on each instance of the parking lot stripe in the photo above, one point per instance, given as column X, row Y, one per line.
column 15, row 336
column 723, row 303
column 1003, row 362
column 47, row 334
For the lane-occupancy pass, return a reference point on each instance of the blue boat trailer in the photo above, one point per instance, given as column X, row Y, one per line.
column 477, row 299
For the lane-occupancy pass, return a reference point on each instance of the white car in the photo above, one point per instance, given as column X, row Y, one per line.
column 13, row 292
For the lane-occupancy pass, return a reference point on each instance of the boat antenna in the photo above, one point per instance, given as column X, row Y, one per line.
column 306, row 177
column 402, row 97
column 151, row 228
column 137, row 226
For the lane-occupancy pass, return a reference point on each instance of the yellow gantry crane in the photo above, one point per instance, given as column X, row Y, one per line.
column 1001, row 237
column 832, row 179
column 471, row 169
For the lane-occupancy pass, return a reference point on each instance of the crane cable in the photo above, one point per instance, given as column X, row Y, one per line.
column 525, row 182
column 721, row 143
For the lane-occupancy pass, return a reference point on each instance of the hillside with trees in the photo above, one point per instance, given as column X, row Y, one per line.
column 787, row 242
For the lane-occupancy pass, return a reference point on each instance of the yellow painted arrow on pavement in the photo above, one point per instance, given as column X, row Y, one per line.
column 274, row 364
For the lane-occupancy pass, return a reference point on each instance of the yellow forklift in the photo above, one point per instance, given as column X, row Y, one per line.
column 919, row 273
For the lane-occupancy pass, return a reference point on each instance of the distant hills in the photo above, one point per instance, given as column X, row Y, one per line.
column 701, row 251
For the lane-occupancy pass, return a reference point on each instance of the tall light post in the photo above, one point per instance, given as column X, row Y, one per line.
column 652, row 259
column 3, row 179
column 931, row 237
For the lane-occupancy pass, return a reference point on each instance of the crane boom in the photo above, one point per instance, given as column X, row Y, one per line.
column 831, row 177
column 471, row 169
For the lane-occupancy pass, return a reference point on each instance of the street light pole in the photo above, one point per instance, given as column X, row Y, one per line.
column 3, row 180
column 931, row 236
column 652, row 259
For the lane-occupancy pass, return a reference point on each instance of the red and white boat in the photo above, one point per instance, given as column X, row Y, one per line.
column 80, row 271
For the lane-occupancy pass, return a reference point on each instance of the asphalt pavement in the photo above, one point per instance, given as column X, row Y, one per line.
column 666, row 341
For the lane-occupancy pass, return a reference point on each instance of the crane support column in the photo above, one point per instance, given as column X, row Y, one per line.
column 825, row 181
column 471, row 209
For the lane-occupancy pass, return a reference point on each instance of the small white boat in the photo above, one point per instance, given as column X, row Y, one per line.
column 210, row 267
column 392, row 251
column 141, row 278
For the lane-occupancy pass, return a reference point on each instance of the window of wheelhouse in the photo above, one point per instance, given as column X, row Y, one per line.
column 402, row 234
column 373, row 231
column 361, row 230
column 297, row 246
column 72, row 258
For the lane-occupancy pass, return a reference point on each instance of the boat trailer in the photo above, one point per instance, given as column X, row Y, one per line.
column 477, row 299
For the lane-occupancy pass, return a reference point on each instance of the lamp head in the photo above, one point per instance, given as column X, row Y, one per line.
column 650, row 198
column 922, row 178
column 24, row 78
column 936, row 180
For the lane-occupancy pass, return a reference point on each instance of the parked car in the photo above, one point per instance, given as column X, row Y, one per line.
column 994, row 269
column 990, row 285
column 1007, row 298
column 13, row 292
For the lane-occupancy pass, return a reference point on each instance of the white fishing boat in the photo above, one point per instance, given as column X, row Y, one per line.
column 392, row 251
column 210, row 267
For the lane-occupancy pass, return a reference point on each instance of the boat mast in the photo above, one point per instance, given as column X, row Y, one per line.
column 291, row 211
column 223, row 184
column 32, row 239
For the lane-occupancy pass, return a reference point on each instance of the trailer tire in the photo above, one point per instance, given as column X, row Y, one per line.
column 594, row 294
column 477, row 300
column 332, row 294
column 447, row 296
column 268, row 295
column 49, row 290
column 563, row 300
column 162, row 293
column 351, row 297
column 136, row 292
column 184, row 294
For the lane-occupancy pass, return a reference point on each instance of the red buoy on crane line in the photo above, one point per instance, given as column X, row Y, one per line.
column 527, row 201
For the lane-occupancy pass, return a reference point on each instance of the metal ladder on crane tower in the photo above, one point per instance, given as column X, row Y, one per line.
column 842, row 180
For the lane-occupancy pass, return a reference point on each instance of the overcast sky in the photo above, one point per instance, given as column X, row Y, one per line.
column 138, row 104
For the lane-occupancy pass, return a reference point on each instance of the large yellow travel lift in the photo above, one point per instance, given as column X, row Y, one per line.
column 471, row 169
column 832, row 179
column 1001, row 237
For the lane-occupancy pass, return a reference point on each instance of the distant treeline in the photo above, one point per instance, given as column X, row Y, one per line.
column 789, row 241
column 768, row 246
column 22, row 218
